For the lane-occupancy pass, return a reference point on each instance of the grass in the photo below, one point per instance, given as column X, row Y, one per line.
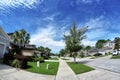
column 94, row 57
column 53, row 68
column 53, row 58
column 116, row 57
column 79, row 68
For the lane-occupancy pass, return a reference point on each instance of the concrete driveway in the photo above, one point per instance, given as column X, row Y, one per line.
column 105, row 63
column 9, row 73
column 106, row 69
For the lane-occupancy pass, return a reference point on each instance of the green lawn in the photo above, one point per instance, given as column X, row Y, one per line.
column 94, row 57
column 79, row 68
column 116, row 57
column 53, row 68
column 53, row 58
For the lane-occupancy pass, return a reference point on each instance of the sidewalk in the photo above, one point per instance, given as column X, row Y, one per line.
column 65, row 72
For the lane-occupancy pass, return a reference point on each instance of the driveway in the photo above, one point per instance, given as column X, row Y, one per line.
column 105, row 63
column 106, row 69
column 10, row 73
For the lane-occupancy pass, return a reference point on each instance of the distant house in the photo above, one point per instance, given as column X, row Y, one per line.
column 107, row 47
column 26, row 49
column 105, row 50
column 4, row 42
column 109, row 44
column 93, row 51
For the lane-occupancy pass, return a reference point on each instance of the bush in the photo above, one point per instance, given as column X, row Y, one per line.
column 8, row 58
column 23, row 60
column 16, row 63
column 41, row 59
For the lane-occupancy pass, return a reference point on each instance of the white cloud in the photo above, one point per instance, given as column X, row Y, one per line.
column 97, row 27
column 6, row 4
column 46, row 37
column 97, row 30
column 88, row 42
column 87, row 1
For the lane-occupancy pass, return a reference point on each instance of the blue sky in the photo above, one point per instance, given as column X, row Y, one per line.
column 48, row 20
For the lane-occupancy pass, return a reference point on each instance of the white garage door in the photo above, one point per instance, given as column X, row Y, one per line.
column 1, row 50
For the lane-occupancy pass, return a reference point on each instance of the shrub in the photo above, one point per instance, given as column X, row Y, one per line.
column 41, row 59
column 16, row 63
column 23, row 60
column 8, row 58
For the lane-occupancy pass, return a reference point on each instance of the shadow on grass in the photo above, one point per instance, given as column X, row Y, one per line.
column 28, row 66
column 84, row 62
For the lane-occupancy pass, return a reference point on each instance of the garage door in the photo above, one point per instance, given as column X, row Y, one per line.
column 1, row 50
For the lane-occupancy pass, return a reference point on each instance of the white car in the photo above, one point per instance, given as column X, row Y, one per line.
column 115, row 52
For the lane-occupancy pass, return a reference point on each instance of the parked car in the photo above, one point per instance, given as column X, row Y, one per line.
column 115, row 52
column 97, row 54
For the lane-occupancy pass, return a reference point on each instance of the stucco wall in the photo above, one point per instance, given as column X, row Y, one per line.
column 27, row 52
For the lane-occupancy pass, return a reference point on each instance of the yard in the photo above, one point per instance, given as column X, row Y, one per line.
column 52, row 70
column 116, row 57
column 79, row 68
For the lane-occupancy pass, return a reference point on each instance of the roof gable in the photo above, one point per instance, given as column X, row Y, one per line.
column 3, row 34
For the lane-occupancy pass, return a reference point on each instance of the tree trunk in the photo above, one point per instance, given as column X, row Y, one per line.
column 74, row 56
column 74, row 59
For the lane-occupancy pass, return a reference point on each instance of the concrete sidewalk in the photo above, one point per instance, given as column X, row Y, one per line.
column 65, row 72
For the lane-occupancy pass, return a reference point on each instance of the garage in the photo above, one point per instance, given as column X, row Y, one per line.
column 2, row 49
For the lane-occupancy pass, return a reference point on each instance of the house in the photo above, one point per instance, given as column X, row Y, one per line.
column 4, row 42
column 93, row 51
column 28, row 50
column 109, row 44
column 105, row 50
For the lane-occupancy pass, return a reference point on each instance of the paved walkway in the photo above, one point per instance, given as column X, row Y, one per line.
column 65, row 72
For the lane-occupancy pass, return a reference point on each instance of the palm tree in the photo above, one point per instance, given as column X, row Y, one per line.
column 73, row 40
column 21, row 37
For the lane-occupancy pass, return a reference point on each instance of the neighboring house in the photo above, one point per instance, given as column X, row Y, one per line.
column 109, row 44
column 105, row 50
column 28, row 50
column 107, row 47
column 4, row 42
column 10, row 35
column 93, row 51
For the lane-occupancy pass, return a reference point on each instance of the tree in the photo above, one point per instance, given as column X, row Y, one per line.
column 45, row 50
column 41, row 48
column 117, row 43
column 21, row 37
column 62, row 52
column 99, row 43
column 87, row 48
column 73, row 40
